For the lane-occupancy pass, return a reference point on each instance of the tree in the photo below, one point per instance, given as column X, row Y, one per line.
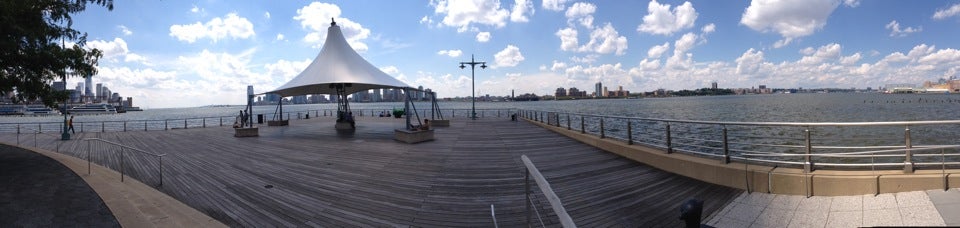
column 32, row 52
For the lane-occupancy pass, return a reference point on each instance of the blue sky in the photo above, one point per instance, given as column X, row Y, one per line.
column 192, row 53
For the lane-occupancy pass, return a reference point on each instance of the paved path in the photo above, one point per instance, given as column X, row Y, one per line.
column 37, row 191
column 919, row 208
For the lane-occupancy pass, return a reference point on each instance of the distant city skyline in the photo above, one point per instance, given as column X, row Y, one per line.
column 180, row 54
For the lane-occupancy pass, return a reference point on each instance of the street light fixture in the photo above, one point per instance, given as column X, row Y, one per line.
column 473, row 65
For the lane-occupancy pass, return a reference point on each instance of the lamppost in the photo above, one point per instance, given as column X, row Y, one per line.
column 63, row 76
column 473, row 65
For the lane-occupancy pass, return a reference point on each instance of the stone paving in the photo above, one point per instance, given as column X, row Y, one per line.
column 37, row 191
column 919, row 208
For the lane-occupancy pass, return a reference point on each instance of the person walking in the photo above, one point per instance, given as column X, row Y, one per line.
column 70, row 124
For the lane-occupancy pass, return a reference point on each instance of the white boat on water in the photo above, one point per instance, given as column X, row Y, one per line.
column 92, row 109
column 39, row 110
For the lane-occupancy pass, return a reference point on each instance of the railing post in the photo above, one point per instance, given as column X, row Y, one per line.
column 498, row 113
column 568, row 121
column 81, row 127
column 603, row 134
column 144, row 125
column 39, row 128
column 221, row 121
column 583, row 130
column 161, row 170
column 102, row 126
column 165, row 125
column 908, row 155
column 629, row 133
column 726, row 147
column 124, row 126
column 88, row 157
column 669, row 143
column 184, row 123
column 557, row 116
column 204, row 121
column 526, row 191
column 121, row 164
column 807, row 163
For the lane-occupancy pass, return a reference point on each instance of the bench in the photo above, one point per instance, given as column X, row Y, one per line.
column 246, row 132
column 413, row 136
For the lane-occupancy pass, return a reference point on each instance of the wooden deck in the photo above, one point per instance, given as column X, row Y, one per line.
column 308, row 174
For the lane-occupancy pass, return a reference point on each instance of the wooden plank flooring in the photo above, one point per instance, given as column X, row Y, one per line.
column 320, row 177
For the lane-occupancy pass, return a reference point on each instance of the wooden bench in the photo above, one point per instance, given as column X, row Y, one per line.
column 246, row 132
column 278, row 122
column 413, row 136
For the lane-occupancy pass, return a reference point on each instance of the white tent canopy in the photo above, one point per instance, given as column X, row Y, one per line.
column 337, row 64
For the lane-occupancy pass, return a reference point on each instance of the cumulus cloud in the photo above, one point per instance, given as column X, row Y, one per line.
column 657, row 50
column 451, row 53
column 581, row 12
column 603, row 40
column 280, row 36
column 946, row 13
column 464, row 13
column 749, row 62
column 126, row 31
column 790, row 18
column 709, row 28
column 217, row 28
column 851, row 3
column 508, row 57
column 116, row 51
column 554, row 5
column 895, row 30
column 821, row 54
column 522, row 9
column 483, row 37
column 850, row 60
column 661, row 20
column 568, row 39
column 315, row 19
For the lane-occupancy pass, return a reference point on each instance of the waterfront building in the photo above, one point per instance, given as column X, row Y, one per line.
column 89, row 83
column 59, row 86
column 99, row 92
column 605, row 92
column 598, row 89
column 713, row 85
column 561, row 92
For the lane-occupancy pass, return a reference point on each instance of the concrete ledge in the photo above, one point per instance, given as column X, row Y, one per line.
column 246, row 132
column 413, row 136
column 777, row 180
column 278, row 122
column 440, row 123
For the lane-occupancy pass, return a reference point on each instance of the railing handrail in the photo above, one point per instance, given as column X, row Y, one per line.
column 793, row 124
column 547, row 191
column 124, row 146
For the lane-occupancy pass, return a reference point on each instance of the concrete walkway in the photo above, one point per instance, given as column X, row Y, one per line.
column 130, row 203
column 919, row 208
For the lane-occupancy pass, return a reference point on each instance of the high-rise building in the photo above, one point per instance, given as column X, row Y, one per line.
column 89, row 83
column 561, row 92
column 598, row 90
column 605, row 92
column 59, row 86
column 713, row 85
column 99, row 92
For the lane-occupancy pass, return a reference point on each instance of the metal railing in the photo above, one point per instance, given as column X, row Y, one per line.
column 552, row 198
column 835, row 145
column 101, row 145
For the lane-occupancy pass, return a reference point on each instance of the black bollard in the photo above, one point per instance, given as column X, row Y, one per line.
column 691, row 211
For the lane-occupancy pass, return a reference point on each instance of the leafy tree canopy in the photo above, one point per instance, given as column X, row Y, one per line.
column 33, row 54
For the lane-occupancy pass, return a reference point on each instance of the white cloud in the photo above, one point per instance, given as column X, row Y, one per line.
column 315, row 18
column 554, row 5
column 195, row 9
column 558, row 65
column 483, row 37
column 850, row 60
column 945, row 13
column 126, row 31
column 508, row 57
column 426, row 20
column 521, row 9
column 661, row 20
column 709, row 28
column 581, row 12
column 851, row 3
column 790, row 18
column 280, row 36
column 895, row 30
column 568, row 39
column 451, row 53
column 217, row 28
column 462, row 13
column 821, row 55
column 116, row 51
column 681, row 59
column 657, row 50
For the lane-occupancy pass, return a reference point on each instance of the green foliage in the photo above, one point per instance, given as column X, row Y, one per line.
column 703, row 92
column 32, row 51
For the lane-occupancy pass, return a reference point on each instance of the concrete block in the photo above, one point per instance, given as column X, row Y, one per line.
column 413, row 136
column 246, row 132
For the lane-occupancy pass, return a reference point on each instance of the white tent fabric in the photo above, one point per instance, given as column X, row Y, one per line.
column 338, row 63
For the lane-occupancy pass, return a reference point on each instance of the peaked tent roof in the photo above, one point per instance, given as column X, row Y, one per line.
column 337, row 63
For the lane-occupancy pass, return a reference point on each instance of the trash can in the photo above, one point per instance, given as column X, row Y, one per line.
column 259, row 118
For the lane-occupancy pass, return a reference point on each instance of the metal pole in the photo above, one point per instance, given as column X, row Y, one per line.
column 88, row 157
column 807, row 165
column 726, row 147
column 669, row 143
column 568, row 121
column 526, row 191
column 161, row 170
column 582, row 129
column 124, row 126
column 908, row 155
column 184, row 123
column 121, row 164
column 144, row 125
column 603, row 134
column 102, row 126
column 165, row 127
column 629, row 133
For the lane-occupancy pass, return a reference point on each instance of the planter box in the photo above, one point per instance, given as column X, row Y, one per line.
column 439, row 123
column 246, row 132
column 278, row 122
column 344, row 126
column 410, row 136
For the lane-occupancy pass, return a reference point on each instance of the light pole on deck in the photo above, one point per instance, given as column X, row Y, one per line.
column 473, row 96
column 63, row 76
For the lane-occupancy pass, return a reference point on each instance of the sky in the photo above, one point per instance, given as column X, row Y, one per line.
column 194, row 53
